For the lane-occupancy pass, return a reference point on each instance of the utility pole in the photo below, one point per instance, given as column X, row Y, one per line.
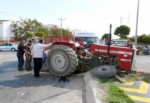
column 61, row 20
column 121, row 19
column 137, row 20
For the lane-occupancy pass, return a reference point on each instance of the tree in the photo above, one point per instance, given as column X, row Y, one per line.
column 25, row 28
column 144, row 38
column 105, row 36
column 40, row 34
column 122, row 31
column 131, row 38
column 57, row 31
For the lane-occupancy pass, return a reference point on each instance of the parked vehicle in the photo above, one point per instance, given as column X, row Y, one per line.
column 83, row 37
column 8, row 47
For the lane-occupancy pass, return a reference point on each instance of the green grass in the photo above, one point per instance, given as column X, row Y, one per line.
column 108, row 80
column 116, row 95
column 113, row 93
column 146, row 79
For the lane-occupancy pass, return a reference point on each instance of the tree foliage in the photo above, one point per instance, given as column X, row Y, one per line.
column 122, row 31
column 25, row 28
column 141, row 39
column 57, row 31
column 105, row 36
column 144, row 38
column 40, row 34
column 131, row 38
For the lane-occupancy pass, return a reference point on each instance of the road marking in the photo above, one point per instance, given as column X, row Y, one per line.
column 143, row 88
column 138, row 98
column 129, row 83
column 138, row 91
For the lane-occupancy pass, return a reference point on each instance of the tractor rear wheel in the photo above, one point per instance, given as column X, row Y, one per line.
column 62, row 60
column 103, row 71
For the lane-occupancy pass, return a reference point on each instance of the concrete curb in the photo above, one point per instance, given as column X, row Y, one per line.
column 137, row 70
column 91, row 92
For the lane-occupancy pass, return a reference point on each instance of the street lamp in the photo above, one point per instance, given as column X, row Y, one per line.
column 137, row 20
column 61, row 19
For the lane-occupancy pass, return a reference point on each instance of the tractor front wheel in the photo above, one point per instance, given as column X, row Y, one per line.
column 103, row 71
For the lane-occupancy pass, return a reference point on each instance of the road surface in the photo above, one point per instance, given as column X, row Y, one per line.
column 23, row 87
column 143, row 63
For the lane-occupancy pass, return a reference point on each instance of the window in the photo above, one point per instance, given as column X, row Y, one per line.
column 2, row 44
column 87, row 39
column 10, row 44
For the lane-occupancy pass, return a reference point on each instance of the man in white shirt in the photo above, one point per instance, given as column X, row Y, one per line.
column 37, row 53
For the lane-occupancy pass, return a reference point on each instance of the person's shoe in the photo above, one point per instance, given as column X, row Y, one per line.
column 28, row 69
column 37, row 75
column 20, row 69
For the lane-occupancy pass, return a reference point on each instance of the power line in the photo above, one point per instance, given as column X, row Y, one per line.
column 3, row 12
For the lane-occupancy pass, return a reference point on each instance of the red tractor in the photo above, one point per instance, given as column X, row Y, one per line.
column 67, row 56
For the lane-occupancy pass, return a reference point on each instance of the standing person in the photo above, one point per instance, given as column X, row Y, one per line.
column 28, row 56
column 129, row 44
column 20, row 55
column 37, row 53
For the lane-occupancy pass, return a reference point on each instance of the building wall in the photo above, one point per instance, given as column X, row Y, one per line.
column 6, row 35
column 1, row 31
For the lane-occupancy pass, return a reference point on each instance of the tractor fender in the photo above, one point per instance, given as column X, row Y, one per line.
column 69, row 44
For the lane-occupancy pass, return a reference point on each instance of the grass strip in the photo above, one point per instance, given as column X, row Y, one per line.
column 146, row 79
column 116, row 95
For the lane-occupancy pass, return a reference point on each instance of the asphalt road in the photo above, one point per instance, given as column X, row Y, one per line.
column 142, row 63
column 23, row 87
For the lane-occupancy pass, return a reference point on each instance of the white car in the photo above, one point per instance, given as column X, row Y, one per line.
column 8, row 47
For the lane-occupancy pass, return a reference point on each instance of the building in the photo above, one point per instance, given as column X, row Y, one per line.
column 6, row 34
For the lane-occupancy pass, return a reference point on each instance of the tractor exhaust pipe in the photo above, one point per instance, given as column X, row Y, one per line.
column 109, row 38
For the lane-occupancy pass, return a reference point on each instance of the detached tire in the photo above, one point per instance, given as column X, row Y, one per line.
column 62, row 60
column 104, row 71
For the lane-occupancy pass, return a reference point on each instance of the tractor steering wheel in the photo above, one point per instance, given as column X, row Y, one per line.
column 89, row 43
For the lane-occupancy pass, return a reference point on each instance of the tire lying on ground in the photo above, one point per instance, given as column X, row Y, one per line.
column 104, row 71
column 62, row 60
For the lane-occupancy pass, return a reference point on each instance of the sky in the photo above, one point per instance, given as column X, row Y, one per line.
column 87, row 15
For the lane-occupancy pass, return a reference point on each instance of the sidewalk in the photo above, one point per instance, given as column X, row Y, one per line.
column 95, row 95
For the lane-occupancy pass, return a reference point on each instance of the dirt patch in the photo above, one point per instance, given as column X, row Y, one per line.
column 135, row 76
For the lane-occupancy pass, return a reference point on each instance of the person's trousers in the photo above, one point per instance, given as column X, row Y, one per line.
column 28, row 62
column 20, row 61
column 37, row 65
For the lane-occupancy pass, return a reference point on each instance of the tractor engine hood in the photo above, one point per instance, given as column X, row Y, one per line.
column 125, row 55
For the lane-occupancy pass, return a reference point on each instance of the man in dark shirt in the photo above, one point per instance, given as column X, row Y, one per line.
column 20, row 55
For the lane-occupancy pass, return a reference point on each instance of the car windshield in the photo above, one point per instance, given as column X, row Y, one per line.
column 87, row 39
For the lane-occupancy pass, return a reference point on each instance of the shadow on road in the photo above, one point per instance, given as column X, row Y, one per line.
column 8, row 66
column 28, row 80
